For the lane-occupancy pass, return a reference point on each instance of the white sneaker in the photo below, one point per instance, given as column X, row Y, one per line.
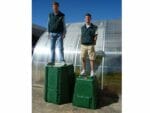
column 83, row 72
column 92, row 74
column 62, row 63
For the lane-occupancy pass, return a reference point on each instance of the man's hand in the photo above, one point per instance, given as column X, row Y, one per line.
column 95, row 38
column 63, row 36
column 48, row 35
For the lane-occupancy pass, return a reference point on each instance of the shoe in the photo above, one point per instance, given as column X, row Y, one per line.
column 51, row 63
column 61, row 63
column 83, row 72
column 92, row 74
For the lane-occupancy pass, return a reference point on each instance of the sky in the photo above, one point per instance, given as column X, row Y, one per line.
column 75, row 10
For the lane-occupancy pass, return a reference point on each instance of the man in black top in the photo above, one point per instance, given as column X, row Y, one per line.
column 88, row 41
column 56, row 31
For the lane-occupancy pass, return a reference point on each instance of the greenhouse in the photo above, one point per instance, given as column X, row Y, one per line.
column 108, row 50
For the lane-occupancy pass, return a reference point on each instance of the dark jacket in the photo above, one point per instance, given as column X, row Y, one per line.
column 88, row 34
column 56, row 23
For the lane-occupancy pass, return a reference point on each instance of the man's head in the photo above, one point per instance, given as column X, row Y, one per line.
column 88, row 17
column 55, row 6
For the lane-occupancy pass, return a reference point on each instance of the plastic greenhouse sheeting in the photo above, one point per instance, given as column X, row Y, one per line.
column 108, row 45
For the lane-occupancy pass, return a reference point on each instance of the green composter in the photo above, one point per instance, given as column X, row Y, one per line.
column 86, row 92
column 59, row 84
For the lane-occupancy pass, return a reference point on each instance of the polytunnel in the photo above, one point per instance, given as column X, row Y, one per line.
column 108, row 49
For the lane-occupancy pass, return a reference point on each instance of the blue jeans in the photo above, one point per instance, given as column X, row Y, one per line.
column 56, row 42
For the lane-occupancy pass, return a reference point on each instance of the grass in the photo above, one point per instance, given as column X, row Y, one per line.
column 113, row 82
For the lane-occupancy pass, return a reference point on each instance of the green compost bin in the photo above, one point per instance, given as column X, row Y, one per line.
column 59, row 84
column 86, row 93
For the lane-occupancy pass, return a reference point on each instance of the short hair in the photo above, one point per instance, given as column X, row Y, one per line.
column 55, row 3
column 88, row 14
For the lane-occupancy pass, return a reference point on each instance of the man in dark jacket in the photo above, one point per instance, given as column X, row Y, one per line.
column 57, row 31
column 88, row 41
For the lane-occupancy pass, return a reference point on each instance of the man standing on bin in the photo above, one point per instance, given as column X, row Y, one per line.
column 56, row 33
column 88, row 41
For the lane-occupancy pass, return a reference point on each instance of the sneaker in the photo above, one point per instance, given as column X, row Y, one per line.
column 83, row 72
column 61, row 63
column 50, row 63
column 92, row 74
